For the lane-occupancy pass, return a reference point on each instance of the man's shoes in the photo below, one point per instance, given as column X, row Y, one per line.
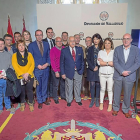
column 91, row 103
column 115, row 113
column 40, row 106
column 46, row 102
column 68, row 104
column 56, row 101
column 97, row 102
column 63, row 99
column 79, row 103
column 127, row 115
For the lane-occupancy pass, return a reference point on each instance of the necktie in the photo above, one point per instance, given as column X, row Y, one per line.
column 41, row 48
column 51, row 43
column 73, row 54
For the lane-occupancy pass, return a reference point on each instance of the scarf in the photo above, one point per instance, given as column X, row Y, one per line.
column 22, row 61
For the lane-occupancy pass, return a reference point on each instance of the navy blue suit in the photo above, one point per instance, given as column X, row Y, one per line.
column 67, row 64
column 41, row 75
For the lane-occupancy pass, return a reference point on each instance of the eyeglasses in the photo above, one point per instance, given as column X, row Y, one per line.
column 8, row 39
column 39, row 35
column 126, row 39
column 58, row 41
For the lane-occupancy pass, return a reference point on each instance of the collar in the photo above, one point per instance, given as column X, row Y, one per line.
column 49, row 39
column 127, row 48
column 58, row 47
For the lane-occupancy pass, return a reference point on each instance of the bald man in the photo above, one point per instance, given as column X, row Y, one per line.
column 72, row 68
column 55, row 53
column 126, row 61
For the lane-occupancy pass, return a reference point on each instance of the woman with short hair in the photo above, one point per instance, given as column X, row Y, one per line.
column 23, row 64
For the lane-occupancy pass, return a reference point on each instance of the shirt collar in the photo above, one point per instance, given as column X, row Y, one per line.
column 58, row 47
column 49, row 39
column 127, row 48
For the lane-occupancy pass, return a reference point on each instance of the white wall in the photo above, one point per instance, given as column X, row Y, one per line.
column 133, row 14
column 17, row 8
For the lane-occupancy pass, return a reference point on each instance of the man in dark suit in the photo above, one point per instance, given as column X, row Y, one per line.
column 126, row 61
column 51, row 41
column 40, row 51
column 71, row 69
column 49, row 38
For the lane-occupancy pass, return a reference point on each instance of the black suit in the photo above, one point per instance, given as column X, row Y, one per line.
column 45, row 39
column 50, row 82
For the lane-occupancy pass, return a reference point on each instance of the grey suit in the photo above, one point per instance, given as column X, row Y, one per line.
column 132, row 64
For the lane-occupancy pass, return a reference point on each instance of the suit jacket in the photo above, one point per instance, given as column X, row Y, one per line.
column 14, row 49
column 46, row 40
column 67, row 64
column 38, row 58
column 132, row 64
column 92, row 75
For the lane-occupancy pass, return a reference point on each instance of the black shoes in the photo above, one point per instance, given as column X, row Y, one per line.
column 79, row 103
column 56, row 101
column 40, row 106
column 68, row 104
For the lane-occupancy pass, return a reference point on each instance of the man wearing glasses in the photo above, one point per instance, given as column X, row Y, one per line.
column 40, row 51
column 126, row 61
column 8, row 44
column 55, row 53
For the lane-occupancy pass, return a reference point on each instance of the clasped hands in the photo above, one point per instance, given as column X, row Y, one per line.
column 42, row 67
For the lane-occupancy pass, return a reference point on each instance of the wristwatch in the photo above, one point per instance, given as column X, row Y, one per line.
column 107, row 63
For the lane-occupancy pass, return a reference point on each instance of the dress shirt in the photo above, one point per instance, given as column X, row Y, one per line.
column 106, row 58
column 71, row 50
column 49, row 41
column 126, row 53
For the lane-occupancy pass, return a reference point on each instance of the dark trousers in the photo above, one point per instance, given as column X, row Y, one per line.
column 86, row 86
column 95, row 85
column 56, row 84
column 27, row 88
column 50, row 85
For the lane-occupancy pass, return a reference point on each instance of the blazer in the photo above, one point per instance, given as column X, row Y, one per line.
column 67, row 64
column 92, row 75
column 14, row 49
column 46, row 40
column 38, row 58
column 132, row 64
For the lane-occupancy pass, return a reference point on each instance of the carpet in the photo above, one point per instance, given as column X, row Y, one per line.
column 59, row 122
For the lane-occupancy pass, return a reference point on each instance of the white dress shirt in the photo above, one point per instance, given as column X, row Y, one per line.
column 126, row 53
column 49, row 41
column 71, row 50
column 106, row 58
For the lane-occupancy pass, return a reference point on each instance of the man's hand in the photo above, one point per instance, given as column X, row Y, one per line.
column 57, row 74
column 95, row 69
column 4, row 77
column 126, row 73
column 45, row 66
column 40, row 67
column 64, row 76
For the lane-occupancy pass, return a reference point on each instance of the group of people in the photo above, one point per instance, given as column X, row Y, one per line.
column 62, row 67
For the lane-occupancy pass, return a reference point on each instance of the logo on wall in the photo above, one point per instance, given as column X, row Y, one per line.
column 110, row 34
column 104, row 16
column 81, row 35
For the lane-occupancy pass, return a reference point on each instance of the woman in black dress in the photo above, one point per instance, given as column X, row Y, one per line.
column 93, row 68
